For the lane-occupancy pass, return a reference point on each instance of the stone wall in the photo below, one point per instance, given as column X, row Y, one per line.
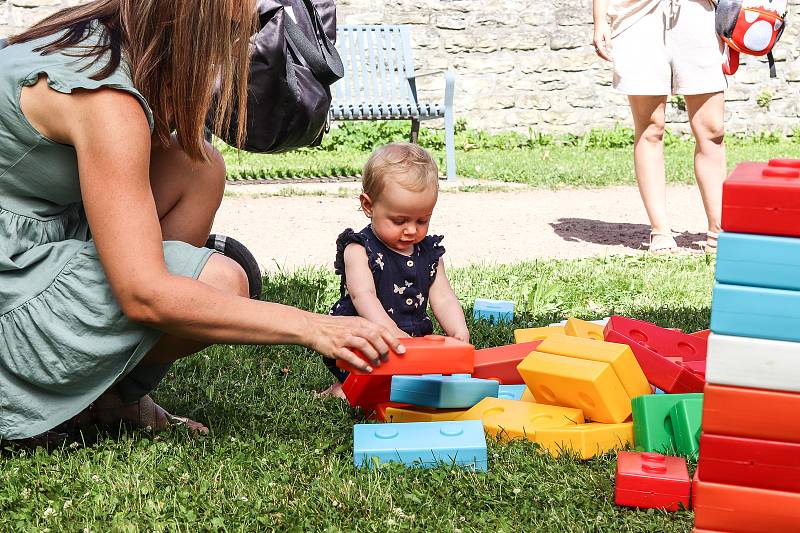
column 529, row 63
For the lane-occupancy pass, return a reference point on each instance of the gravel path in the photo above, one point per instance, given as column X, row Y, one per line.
column 507, row 226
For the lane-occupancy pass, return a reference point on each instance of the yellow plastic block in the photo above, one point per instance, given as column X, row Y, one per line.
column 536, row 334
column 527, row 396
column 619, row 356
column 582, row 328
column 422, row 414
column 591, row 386
column 587, row 440
column 512, row 419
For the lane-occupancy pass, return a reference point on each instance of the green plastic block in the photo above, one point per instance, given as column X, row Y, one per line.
column 686, row 417
column 652, row 425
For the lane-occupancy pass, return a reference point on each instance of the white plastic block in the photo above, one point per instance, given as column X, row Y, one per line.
column 755, row 363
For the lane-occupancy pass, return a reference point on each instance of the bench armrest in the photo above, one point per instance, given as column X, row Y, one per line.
column 449, row 85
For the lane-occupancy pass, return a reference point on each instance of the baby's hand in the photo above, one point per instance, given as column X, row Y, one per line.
column 462, row 335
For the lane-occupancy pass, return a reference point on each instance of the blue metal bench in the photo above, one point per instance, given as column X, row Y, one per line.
column 379, row 83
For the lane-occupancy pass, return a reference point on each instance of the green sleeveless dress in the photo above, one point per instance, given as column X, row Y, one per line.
column 63, row 338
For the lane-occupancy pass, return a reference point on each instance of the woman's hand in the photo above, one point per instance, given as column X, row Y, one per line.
column 337, row 336
column 602, row 40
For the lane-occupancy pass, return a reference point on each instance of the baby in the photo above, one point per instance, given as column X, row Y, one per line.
column 392, row 268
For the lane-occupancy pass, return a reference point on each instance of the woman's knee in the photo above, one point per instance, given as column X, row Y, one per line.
column 654, row 131
column 709, row 132
column 225, row 274
column 206, row 177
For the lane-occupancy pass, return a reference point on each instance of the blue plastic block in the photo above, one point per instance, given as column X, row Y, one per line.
column 756, row 312
column 659, row 391
column 423, row 444
column 758, row 261
column 493, row 310
column 511, row 392
column 442, row 392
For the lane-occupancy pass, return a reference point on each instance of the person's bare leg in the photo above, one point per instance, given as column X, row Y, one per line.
column 187, row 196
column 648, row 158
column 707, row 119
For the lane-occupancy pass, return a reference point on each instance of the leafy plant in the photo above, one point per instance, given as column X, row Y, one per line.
column 678, row 101
column 543, row 298
column 764, row 99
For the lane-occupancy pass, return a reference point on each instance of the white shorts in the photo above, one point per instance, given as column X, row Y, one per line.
column 663, row 55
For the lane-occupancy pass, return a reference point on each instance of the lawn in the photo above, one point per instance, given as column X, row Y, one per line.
column 597, row 159
column 280, row 459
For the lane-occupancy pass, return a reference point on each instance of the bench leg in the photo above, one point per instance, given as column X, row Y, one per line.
column 449, row 126
column 414, row 130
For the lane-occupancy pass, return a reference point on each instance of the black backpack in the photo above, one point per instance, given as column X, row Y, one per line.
column 293, row 65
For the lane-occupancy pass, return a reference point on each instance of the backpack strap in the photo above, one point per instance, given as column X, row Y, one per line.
column 772, row 71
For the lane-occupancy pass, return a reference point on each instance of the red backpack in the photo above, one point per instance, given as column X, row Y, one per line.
column 750, row 27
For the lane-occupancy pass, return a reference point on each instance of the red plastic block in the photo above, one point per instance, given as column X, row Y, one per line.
column 663, row 341
column 765, row 464
column 661, row 372
column 744, row 509
column 763, row 198
column 696, row 367
column 652, row 480
column 751, row 413
column 431, row 354
column 367, row 391
column 501, row 363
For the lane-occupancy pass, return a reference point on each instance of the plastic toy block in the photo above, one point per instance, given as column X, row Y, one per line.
column 500, row 363
column 686, row 417
column 511, row 392
column 591, row 386
column 493, row 310
column 424, row 444
column 619, row 356
column 431, row 354
column 380, row 410
column 584, row 329
column 758, row 261
column 703, row 333
column 765, row 464
column 744, row 509
column 536, row 334
column 755, row 312
column 696, row 367
column 663, row 341
column 527, row 396
column 652, row 480
column 509, row 419
column 660, row 371
column 658, row 391
column 757, row 363
column 367, row 391
column 652, row 426
column 586, row 440
column 751, row 413
column 442, row 392
column 422, row 414
column 601, row 322
column 762, row 198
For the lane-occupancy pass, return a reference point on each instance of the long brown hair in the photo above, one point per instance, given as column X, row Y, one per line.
column 179, row 53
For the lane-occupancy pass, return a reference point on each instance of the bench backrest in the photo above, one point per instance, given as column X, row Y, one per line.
column 378, row 65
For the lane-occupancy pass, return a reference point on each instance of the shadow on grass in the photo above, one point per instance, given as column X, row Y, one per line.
column 629, row 235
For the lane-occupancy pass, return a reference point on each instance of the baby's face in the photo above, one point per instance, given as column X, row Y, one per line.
column 400, row 217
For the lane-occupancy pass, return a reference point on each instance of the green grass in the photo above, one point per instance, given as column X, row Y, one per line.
column 540, row 166
column 280, row 459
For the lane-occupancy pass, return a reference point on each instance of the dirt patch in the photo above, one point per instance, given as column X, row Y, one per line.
column 286, row 232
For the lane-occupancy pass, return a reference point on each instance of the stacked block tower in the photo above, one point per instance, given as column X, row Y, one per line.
column 747, row 476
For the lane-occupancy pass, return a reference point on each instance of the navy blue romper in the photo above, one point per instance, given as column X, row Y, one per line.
column 402, row 282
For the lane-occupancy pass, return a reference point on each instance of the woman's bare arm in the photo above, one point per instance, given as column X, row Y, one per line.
column 110, row 134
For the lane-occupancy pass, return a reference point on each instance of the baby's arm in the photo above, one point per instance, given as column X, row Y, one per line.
column 361, row 287
column 446, row 307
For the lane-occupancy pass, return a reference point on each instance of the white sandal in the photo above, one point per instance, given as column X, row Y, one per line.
column 662, row 243
column 710, row 246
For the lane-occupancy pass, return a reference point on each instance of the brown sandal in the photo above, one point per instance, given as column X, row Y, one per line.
column 710, row 246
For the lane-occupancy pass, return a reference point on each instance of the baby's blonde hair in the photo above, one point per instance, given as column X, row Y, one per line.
column 406, row 163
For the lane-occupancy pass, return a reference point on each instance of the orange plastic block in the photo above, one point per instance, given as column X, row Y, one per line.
column 587, row 440
column 527, row 396
column 510, row 419
column 380, row 411
column 619, row 356
column 536, row 334
column 703, row 333
column 744, row 509
column 422, row 414
column 431, row 354
column 591, row 386
column 500, row 363
column 582, row 328
column 751, row 413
